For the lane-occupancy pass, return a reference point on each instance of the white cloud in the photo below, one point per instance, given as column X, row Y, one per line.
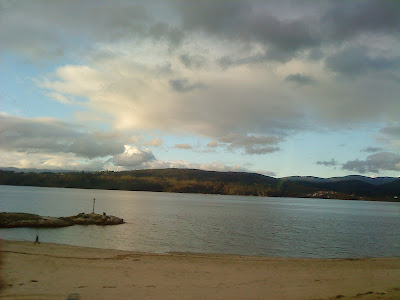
column 49, row 161
column 60, row 98
column 133, row 157
column 136, row 97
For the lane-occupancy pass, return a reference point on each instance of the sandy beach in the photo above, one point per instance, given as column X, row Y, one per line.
column 51, row 271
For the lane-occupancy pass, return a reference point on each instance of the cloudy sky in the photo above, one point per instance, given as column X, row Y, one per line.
column 280, row 88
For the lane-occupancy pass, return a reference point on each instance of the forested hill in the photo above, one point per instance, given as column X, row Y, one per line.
column 209, row 182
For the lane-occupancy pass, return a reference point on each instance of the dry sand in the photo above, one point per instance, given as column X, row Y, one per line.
column 50, row 271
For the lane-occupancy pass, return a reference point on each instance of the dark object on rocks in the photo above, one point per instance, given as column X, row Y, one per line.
column 74, row 296
column 11, row 220
column 37, row 240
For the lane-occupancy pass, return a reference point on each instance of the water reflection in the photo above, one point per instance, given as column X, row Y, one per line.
column 163, row 222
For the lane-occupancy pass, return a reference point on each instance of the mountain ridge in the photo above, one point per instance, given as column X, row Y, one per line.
column 372, row 180
column 213, row 182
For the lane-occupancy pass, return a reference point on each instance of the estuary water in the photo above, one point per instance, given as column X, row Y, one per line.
column 166, row 222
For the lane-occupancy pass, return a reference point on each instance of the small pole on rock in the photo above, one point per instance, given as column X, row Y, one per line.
column 94, row 201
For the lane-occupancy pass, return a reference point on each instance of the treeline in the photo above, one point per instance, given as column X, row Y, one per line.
column 205, row 182
column 168, row 180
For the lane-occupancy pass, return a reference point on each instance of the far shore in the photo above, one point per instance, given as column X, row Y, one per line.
column 52, row 271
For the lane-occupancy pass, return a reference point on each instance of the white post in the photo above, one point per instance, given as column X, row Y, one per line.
column 94, row 201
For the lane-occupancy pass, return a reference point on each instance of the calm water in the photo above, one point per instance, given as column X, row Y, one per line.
column 164, row 222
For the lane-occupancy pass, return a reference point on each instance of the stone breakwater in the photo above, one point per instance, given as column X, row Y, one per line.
column 12, row 220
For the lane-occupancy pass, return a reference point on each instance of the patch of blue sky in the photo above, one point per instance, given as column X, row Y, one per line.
column 21, row 96
column 300, row 153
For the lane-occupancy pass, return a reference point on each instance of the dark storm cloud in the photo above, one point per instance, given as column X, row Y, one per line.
column 346, row 19
column 282, row 28
column 261, row 150
column 92, row 146
column 375, row 163
column 225, row 61
column 194, row 61
column 251, row 144
column 285, row 38
column 239, row 20
column 47, row 29
column 391, row 130
column 226, row 33
column 183, row 85
column 173, row 35
column 356, row 60
column 213, row 16
column 359, row 166
column 48, row 135
column 301, row 79
column 328, row 163
column 372, row 149
column 285, row 28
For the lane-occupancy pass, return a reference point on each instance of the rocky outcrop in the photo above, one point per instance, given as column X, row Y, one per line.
column 90, row 219
column 12, row 220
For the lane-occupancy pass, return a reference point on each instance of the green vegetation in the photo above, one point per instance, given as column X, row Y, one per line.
column 6, row 217
column 206, row 182
column 167, row 180
column 16, row 219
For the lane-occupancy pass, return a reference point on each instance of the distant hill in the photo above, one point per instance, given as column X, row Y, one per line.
column 371, row 180
column 212, row 182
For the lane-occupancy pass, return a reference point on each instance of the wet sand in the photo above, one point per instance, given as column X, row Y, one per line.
column 51, row 271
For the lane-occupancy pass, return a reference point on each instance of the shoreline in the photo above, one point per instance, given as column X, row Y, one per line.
column 390, row 200
column 206, row 254
column 52, row 271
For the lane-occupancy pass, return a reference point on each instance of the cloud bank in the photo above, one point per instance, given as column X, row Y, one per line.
column 375, row 163
column 245, row 76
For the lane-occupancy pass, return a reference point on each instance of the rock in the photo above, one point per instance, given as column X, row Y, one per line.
column 10, row 220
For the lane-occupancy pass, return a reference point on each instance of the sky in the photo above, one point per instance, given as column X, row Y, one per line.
column 281, row 88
